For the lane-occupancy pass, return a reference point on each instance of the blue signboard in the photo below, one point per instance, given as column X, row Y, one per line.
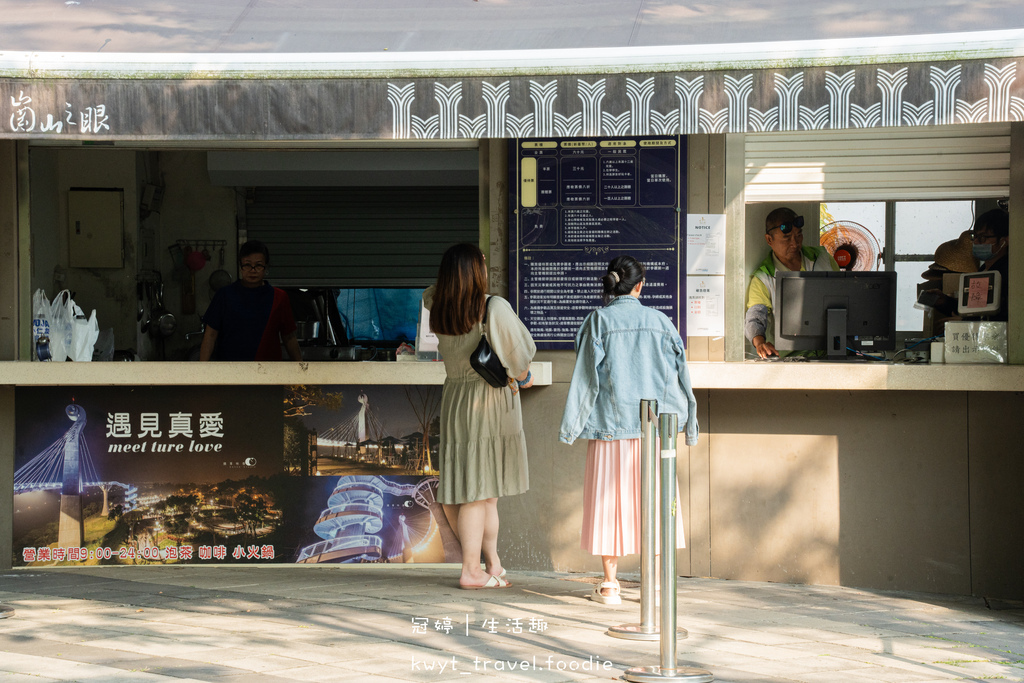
column 574, row 205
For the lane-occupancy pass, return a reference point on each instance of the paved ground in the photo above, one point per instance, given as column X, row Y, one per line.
column 386, row 623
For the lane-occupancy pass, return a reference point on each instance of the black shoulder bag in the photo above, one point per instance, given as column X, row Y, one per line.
column 485, row 361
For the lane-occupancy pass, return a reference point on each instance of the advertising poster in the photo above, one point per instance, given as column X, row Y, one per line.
column 574, row 205
column 179, row 474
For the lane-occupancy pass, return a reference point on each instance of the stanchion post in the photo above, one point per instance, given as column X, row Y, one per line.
column 669, row 670
column 648, row 510
column 668, row 430
column 647, row 629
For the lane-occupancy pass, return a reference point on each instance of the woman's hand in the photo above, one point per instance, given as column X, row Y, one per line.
column 525, row 380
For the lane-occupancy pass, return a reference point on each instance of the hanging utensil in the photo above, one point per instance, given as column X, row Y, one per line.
column 142, row 311
column 195, row 261
column 177, row 255
column 220, row 278
column 148, row 316
column 164, row 322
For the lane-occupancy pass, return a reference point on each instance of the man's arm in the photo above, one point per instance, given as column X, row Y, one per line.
column 755, row 323
column 209, row 342
column 291, row 345
column 755, row 327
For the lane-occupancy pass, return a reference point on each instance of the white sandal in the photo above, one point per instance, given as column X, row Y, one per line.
column 613, row 599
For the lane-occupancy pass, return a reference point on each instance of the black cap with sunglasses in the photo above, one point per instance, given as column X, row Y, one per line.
column 784, row 219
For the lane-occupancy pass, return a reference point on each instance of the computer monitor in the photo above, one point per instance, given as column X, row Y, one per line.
column 834, row 311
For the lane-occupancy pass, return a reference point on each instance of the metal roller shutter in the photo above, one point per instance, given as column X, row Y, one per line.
column 360, row 236
column 948, row 162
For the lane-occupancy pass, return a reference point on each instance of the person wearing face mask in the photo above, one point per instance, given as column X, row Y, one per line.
column 785, row 236
column 991, row 244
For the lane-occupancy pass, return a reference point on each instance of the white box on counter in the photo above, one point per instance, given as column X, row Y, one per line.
column 975, row 342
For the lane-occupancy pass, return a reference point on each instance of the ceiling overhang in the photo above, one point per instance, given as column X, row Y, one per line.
column 943, row 79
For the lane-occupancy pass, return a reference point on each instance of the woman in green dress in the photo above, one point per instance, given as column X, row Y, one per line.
column 482, row 454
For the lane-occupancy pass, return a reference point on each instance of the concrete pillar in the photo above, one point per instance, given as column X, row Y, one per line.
column 1015, row 294
column 10, row 251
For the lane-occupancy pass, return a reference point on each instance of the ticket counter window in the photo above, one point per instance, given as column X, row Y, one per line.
column 900, row 236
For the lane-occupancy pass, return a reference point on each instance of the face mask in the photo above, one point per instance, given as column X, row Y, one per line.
column 982, row 252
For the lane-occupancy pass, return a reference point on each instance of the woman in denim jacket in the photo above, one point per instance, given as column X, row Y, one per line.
column 625, row 352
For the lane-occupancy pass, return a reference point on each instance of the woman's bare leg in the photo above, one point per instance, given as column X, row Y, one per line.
column 611, row 567
column 490, row 539
column 472, row 524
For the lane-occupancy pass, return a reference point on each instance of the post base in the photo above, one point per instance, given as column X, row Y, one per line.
column 655, row 674
column 641, row 632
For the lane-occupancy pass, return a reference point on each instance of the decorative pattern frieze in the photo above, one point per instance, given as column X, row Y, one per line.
column 860, row 97
column 471, row 107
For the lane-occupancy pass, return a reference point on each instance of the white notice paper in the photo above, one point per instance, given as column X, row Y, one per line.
column 426, row 340
column 705, row 244
column 705, row 306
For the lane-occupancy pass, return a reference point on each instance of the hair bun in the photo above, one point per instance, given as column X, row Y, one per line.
column 614, row 276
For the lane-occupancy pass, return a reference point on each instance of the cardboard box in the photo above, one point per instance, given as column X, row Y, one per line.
column 951, row 284
column 975, row 342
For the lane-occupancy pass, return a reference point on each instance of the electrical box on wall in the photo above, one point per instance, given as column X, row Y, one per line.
column 96, row 228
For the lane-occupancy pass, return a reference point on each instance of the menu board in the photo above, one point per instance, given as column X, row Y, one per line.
column 575, row 204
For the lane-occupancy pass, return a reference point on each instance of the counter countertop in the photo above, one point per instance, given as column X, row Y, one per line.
column 705, row 375
column 22, row 373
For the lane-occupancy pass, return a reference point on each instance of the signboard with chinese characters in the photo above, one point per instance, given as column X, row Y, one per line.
column 705, row 305
column 576, row 204
column 305, row 474
column 975, row 342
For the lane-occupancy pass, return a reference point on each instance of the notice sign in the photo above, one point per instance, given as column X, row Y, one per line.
column 705, row 306
column 576, row 204
column 705, row 244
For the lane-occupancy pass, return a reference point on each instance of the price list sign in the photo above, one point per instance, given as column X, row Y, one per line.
column 575, row 204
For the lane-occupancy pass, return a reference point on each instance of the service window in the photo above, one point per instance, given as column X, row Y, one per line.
column 899, row 236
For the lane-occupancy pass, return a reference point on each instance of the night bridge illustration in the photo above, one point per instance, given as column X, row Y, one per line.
column 355, row 515
column 363, row 438
column 66, row 465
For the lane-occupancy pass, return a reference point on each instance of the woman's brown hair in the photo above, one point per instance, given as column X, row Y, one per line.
column 461, row 291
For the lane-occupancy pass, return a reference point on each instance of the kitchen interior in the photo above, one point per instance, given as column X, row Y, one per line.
column 146, row 237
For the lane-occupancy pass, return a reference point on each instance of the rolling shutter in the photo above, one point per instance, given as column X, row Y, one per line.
column 360, row 236
column 947, row 162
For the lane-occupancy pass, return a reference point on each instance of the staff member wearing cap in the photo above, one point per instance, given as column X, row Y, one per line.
column 991, row 246
column 783, row 230
column 249, row 320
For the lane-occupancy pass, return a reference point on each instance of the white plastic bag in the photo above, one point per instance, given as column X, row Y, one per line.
column 84, row 332
column 40, row 326
column 62, row 317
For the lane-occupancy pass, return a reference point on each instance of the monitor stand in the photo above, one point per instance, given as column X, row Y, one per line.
column 836, row 333
column 836, row 329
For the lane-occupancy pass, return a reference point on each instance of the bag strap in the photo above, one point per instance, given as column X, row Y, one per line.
column 486, row 306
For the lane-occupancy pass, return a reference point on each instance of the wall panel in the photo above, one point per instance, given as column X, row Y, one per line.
column 932, row 163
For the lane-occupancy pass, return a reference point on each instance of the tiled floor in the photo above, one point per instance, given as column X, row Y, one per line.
column 379, row 623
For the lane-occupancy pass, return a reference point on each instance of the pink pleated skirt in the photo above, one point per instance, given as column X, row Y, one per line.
column 611, row 499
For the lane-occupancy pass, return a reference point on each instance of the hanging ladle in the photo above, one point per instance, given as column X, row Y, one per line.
column 220, row 278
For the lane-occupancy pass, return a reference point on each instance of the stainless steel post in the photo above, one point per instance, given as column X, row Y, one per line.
column 668, row 429
column 647, row 629
column 668, row 670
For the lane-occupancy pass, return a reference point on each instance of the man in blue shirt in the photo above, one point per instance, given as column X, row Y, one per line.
column 250, row 320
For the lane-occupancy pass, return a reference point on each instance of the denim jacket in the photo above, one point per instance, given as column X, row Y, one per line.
column 626, row 352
